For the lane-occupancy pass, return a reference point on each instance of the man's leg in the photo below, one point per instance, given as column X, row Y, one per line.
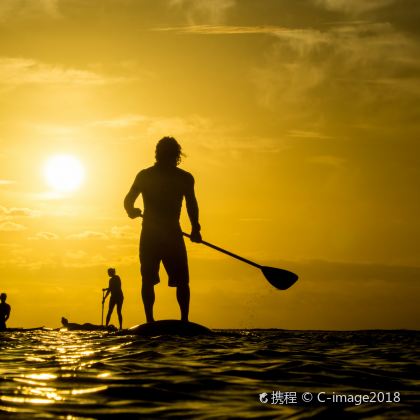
column 148, row 296
column 183, row 297
column 175, row 262
column 149, row 269
column 120, row 319
column 110, row 309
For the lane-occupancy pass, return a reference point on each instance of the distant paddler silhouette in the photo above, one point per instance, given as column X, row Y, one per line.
column 87, row 326
column 117, row 298
column 4, row 311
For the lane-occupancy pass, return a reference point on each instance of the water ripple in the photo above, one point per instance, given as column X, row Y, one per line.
column 56, row 374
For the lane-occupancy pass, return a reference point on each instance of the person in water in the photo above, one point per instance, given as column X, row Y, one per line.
column 85, row 327
column 4, row 311
column 163, row 187
column 117, row 297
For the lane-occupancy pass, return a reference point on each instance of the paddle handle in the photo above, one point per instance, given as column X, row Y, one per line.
column 231, row 254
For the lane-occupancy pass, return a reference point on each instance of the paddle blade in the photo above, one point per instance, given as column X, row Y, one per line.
column 280, row 279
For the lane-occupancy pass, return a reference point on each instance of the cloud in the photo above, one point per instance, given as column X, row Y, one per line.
column 204, row 10
column 23, row 71
column 223, row 29
column 44, row 235
column 8, row 245
column 75, row 255
column 128, row 260
column 196, row 132
column 80, row 259
column 355, row 272
column 302, row 39
column 309, row 36
column 8, row 226
column 327, row 160
column 47, row 196
column 303, row 134
column 353, row 6
column 368, row 64
column 89, row 234
column 116, row 232
column 152, row 126
column 122, row 121
column 123, row 232
column 23, row 9
column 16, row 211
column 6, row 182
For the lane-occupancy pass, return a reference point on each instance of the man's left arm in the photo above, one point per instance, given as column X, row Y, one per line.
column 192, row 210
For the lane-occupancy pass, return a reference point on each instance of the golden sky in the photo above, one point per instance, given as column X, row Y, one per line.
column 300, row 122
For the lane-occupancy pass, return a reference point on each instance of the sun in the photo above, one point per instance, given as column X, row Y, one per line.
column 64, row 173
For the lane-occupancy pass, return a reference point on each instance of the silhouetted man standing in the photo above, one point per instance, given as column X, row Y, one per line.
column 117, row 297
column 163, row 187
column 4, row 311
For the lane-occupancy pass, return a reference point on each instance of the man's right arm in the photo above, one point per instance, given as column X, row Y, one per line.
column 108, row 291
column 131, row 198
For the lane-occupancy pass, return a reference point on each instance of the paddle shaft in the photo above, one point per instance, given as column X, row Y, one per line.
column 231, row 254
column 103, row 303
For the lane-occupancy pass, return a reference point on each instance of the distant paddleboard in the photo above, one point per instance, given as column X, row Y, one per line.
column 169, row 327
column 88, row 327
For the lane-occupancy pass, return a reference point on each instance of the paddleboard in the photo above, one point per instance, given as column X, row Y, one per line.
column 169, row 327
column 87, row 327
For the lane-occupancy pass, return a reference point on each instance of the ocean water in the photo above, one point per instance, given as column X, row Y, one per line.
column 232, row 374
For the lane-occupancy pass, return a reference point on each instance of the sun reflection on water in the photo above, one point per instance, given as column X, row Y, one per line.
column 48, row 375
column 40, row 376
column 25, row 400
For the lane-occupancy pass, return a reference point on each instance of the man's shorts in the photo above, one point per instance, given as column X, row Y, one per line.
column 167, row 247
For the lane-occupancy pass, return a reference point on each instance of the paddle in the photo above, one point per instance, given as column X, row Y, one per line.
column 277, row 277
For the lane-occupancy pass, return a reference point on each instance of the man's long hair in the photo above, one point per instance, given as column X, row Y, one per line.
column 168, row 151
